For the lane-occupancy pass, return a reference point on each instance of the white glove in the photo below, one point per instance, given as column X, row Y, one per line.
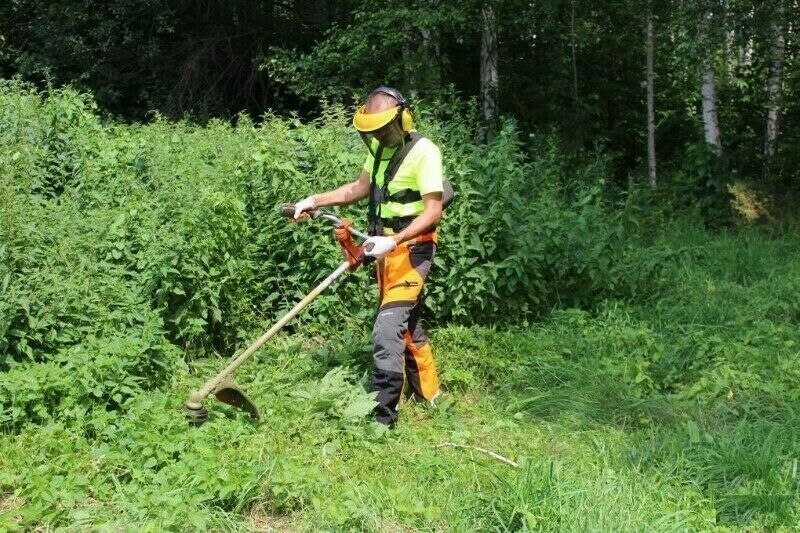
column 304, row 205
column 380, row 246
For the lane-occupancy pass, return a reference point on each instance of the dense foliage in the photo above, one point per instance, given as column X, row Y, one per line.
column 634, row 350
column 572, row 67
column 641, row 369
column 168, row 233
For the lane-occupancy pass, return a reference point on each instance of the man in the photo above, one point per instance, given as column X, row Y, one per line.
column 402, row 176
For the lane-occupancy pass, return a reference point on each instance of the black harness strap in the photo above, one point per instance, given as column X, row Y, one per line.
column 406, row 196
column 373, row 212
column 398, row 223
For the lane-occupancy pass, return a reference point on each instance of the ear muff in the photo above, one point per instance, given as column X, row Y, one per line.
column 406, row 120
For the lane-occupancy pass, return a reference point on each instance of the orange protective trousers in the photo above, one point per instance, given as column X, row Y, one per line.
column 401, row 348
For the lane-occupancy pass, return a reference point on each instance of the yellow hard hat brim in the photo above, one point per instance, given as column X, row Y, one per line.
column 368, row 122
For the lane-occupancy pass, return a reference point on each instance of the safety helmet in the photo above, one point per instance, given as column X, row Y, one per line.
column 370, row 122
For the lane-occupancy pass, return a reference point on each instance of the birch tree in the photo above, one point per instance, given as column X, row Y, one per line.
column 411, row 78
column 651, row 122
column 708, row 86
column 431, row 49
column 774, row 91
column 489, row 74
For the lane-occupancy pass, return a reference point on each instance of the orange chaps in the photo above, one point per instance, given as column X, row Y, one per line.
column 402, row 350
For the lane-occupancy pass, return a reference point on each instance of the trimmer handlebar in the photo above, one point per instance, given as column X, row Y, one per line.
column 287, row 210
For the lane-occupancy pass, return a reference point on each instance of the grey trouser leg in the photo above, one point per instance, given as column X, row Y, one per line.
column 389, row 353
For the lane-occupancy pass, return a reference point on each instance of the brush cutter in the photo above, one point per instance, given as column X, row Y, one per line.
column 222, row 385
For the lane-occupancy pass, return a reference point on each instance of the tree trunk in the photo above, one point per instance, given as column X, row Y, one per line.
column 745, row 54
column 432, row 55
column 708, row 92
column 431, row 50
column 728, row 44
column 651, row 122
column 774, row 95
column 410, row 66
column 708, row 86
column 574, row 57
column 489, row 74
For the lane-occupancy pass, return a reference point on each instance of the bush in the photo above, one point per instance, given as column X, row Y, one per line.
column 104, row 371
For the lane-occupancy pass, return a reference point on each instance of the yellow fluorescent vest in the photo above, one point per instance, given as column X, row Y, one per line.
column 421, row 170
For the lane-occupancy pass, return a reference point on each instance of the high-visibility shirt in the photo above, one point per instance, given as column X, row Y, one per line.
column 420, row 171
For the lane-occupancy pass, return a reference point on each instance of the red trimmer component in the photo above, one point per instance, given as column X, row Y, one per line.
column 350, row 250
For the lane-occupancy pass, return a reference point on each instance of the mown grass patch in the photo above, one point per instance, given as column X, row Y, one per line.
column 594, row 451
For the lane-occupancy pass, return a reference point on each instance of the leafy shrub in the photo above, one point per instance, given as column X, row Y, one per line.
column 516, row 243
column 106, row 227
column 57, row 135
column 102, row 371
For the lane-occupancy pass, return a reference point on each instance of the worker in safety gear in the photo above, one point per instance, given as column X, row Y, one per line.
column 402, row 178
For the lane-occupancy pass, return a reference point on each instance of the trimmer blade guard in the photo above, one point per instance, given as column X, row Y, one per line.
column 229, row 392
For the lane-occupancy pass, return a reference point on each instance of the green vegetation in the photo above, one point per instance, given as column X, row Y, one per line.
column 642, row 370
column 614, row 305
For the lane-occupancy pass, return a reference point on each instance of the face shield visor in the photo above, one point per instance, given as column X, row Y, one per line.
column 376, row 130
